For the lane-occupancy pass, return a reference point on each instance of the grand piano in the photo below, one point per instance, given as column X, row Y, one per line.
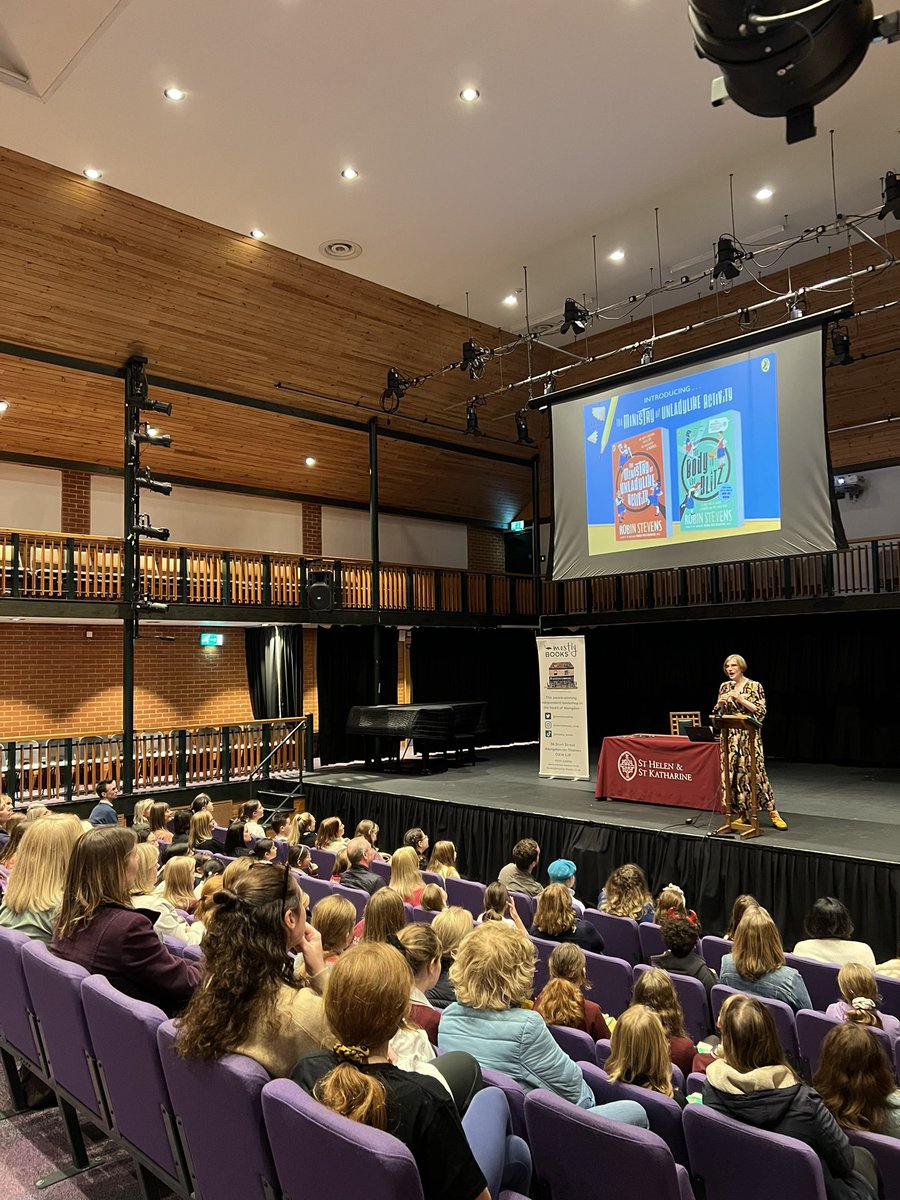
column 432, row 728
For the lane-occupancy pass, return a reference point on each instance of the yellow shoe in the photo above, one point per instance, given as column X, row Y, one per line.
column 777, row 820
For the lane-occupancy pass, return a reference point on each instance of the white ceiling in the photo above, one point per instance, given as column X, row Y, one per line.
column 592, row 114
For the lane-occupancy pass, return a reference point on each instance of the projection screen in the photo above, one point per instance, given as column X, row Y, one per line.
column 712, row 458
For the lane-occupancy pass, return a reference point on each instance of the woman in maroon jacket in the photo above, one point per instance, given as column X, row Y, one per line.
column 98, row 928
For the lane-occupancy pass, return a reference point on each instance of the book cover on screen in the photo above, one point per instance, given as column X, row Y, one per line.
column 711, row 473
column 642, row 509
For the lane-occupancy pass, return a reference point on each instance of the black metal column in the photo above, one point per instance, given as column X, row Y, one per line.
column 536, row 531
column 375, row 553
column 130, row 520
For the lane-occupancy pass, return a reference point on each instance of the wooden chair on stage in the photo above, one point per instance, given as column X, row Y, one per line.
column 680, row 722
column 732, row 823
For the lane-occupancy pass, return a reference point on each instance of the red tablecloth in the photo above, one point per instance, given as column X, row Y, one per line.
column 659, row 770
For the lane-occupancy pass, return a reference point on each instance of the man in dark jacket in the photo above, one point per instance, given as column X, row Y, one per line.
column 103, row 812
column 681, row 933
column 360, row 851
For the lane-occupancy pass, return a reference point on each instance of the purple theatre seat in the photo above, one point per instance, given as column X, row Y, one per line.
column 785, row 1021
column 576, row 1043
column 814, row 1027
column 324, row 860
column 316, row 889
column 695, row 1082
column 281, row 852
column 738, row 1162
column 123, row 1033
column 890, row 995
column 17, row 1030
column 219, row 833
column 600, row 1157
column 525, row 907
column 356, row 897
column 434, row 877
column 602, row 1052
column 467, row 894
column 174, row 946
column 543, row 948
column 515, row 1097
column 820, row 979
column 309, row 1141
column 692, row 995
column 886, row 1152
column 611, row 981
column 663, row 1113
column 505, row 1159
column 651, row 939
column 381, row 868
column 217, row 1102
column 423, row 916
column 714, row 950
column 193, row 953
column 620, row 935
column 408, row 912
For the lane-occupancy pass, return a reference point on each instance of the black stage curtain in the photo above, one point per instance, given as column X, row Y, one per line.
column 827, row 680
column 712, row 872
column 275, row 671
column 345, row 672
column 496, row 665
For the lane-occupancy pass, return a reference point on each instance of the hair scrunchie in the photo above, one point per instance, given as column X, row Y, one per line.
column 352, row 1054
column 228, row 900
column 864, row 1003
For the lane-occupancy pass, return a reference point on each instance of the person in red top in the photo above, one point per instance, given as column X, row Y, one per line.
column 422, row 950
column 406, row 878
column 655, row 990
column 562, row 1001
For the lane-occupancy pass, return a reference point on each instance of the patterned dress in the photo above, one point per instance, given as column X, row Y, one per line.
column 738, row 752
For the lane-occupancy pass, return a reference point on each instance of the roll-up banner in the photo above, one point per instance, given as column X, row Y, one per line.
column 564, row 738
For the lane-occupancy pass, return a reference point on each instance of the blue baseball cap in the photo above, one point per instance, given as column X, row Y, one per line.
column 561, row 870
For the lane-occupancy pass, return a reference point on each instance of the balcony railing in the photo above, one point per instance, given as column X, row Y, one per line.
column 70, row 767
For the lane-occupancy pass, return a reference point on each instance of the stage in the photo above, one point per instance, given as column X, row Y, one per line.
column 843, row 837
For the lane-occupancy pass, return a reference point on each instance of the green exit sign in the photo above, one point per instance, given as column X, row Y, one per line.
column 517, row 526
column 212, row 639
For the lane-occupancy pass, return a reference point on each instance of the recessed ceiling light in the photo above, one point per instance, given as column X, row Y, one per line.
column 617, row 256
column 764, row 193
column 469, row 95
column 92, row 173
column 257, row 234
column 4, row 405
column 511, row 299
column 349, row 173
column 310, row 461
column 173, row 93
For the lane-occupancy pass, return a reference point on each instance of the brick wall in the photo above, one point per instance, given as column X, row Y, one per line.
column 310, row 685
column 57, row 680
column 312, row 530
column 75, row 506
column 486, row 550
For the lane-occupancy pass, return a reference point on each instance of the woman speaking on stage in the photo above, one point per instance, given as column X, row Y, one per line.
column 740, row 696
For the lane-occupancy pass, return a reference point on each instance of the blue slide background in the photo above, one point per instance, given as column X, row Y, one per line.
column 754, row 395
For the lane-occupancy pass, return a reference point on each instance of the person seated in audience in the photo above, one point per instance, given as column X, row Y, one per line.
column 300, row 859
column 639, row 1053
column 210, row 868
column 204, row 909
column 443, row 860
column 654, row 990
column 238, row 840
column 681, row 932
column 252, row 815
column 331, row 835
column 562, row 870
column 34, row 891
column 306, row 829
column 828, row 928
column 556, row 920
column 750, row 1081
column 451, row 926
column 140, row 815
column 167, row 921
column 500, row 906
column 178, row 883
column 35, row 811
column 252, row 1002
column 418, row 840
column 671, row 899
column 201, row 803
column 334, row 918
column 626, row 894
column 236, row 869
column 856, row 1082
column 756, row 962
column 160, row 815
column 518, row 875
column 741, row 905
column 341, row 865
column 200, row 837
column 406, row 878
column 383, row 918
column 434, row 898
column 422, row 949
column 366, row 1003
column 494, row 975
column 369, row 830
column 99, row 929
column 15, row 826
column 891, row 968
column 859, row 1002
column 104, row 811
column 360, row 853
column 562, row 1000
column 181, row 833
column 7, row 810
column 276, row 828
column 264, row 850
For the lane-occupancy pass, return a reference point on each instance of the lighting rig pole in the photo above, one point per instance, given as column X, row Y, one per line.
column 375, row 554
column 136, row 526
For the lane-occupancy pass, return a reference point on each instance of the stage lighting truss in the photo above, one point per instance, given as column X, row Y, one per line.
column 840, row 345
column 472, row 417
column 575, row 317
column 522, row 435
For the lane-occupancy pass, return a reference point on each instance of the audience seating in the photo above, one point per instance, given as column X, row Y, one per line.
column 783, row 1014
column 174, row 946
column 651, row 939
column 814, row 1027
column 620, row 935
column 602, row 1051
column 544, row 948
column 316, row 889
column 515, row 1097
column 820, row 979
column 611, row 981
column 738, row 1162
column 886, row 1152
column 692, row 995
column 434, row 877
column 889, row 990
column 663, row 1113
column 525, row 907
column 194, row 953
column 356, row 896
column 423, row 916
column 381, row 868
column 695, row 1082
column 504, row 1158
column 324, row 860
column 467, row 894
column 714, row 950
column 601, row 1157
column 576, row 1043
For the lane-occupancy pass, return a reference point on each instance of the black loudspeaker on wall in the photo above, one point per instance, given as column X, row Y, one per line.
column 320, row 591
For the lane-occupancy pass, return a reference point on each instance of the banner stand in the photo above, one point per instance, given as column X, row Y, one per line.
column 563, row 699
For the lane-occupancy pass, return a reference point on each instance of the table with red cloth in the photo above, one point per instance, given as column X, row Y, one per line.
column 659, row 770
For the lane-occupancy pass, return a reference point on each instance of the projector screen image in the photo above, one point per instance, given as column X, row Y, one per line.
column 720, row 461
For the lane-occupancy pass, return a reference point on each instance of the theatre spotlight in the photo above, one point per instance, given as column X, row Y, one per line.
column 145, row 605
column 890, row 196
column 798, row 307
column 550, row 385
column 779, row 58
column 159, row 406
column 840, row 345
column 395, row 390
column 744, row 318
column 522, row 435
column 153, row 437
column 472, row 419
column 474, row 358
column 145, row 529
column 728, row 259
column 146, row 480
column 575, row 317
column 646, row 356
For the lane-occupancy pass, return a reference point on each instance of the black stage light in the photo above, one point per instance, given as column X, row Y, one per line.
column 145, row 529
column 146, row 480
column 798, row 308
column 575, row 317
column 157, row 606
column 744, row 317
column 158, row 406
column 646, row 356
column 779, row 58
column 153, row 437
column 728, row 259
column 890, row 196
column 472, row 419
column 474, row 358
column 396, row 387
column 840, row 344
column 522, row 435
column 550, row 385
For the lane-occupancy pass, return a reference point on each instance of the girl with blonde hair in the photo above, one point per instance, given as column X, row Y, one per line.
column 443, row 860
column 205, row 903
column 406, row 878
column 383, row 918
column 341, row 864
column 34, row 892
column 366, row 1004
column 859, row 1004
column 626, row 894
column 144, row 896
column 639, row 1052
column 141, row 814
column 856, row 1082
column 556, row 920
column 201, row 833
column 178, row 883
column 655, row 990
column 434, row 898
column 563, row 1002
column 756, row 962
column 331, row 835
column 334, row 918
column 451, row 926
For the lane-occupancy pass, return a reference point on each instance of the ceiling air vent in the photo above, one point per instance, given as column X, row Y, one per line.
column 341, row 249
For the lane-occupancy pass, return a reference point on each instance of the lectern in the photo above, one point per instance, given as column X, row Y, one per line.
column 750, row 727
